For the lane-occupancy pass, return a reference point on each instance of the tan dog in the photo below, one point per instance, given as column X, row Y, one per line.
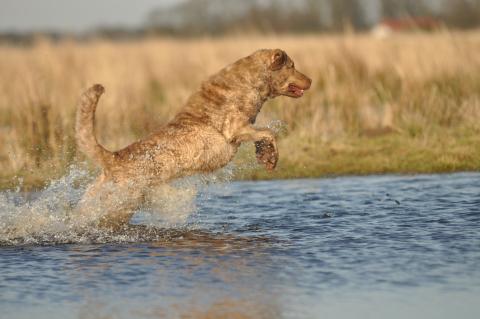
column 203, row 137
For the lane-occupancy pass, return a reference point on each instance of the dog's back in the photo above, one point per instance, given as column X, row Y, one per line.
column 188, row 144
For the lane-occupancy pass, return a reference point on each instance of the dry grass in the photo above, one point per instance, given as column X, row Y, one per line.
column 409, row 103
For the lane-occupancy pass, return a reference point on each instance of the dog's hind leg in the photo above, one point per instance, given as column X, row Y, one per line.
column 119, row 204
column 108, row 204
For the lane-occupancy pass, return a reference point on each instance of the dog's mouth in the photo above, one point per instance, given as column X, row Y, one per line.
column 295, row 91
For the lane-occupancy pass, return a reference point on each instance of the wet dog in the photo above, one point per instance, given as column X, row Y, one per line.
column 203, row 137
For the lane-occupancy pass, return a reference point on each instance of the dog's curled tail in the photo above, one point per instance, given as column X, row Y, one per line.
column 85, row 126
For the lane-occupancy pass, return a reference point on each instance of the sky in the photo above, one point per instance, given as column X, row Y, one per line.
column 74, row 15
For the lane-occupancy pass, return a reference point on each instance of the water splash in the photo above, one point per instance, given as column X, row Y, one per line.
column 279, row 127
column 40, row 213
column 45, row 217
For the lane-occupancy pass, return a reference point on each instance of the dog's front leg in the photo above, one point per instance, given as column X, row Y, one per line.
column 265, row 144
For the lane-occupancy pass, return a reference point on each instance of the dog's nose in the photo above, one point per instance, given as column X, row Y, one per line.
column 309, row 83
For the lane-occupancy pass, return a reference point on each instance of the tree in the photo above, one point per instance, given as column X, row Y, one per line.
column 347, row 13
column 462, row 13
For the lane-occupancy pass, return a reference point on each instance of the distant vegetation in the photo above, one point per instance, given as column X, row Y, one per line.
column 199, row 17
column 409, row 103
column 193, row 18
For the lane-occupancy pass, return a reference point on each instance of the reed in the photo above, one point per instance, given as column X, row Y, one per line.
column 405, row 104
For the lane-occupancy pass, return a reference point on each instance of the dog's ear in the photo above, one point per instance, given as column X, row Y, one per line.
column 278, row 59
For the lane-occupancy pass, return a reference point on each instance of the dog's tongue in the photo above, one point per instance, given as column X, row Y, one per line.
column 295, row 90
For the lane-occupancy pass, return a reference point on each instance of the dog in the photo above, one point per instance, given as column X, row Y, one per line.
column 203, row 137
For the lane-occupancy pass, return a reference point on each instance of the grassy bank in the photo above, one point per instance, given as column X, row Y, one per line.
column 405, row 104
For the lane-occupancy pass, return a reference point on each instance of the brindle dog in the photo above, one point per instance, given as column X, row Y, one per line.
column 203, row 137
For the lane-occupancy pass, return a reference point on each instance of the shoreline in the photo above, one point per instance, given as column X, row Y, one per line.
column 36, row 184
column 350, row 156
column 285, row 170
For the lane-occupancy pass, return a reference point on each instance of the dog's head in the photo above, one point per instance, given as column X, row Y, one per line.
column 284, row 78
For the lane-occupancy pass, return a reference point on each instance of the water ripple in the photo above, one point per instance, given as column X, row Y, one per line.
column 292, row 247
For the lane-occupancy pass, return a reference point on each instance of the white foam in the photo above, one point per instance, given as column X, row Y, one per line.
column 45, row 216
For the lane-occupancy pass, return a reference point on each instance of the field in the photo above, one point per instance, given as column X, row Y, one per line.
column 406, row 104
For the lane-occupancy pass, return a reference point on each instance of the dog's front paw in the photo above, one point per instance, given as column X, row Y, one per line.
column 267, row 154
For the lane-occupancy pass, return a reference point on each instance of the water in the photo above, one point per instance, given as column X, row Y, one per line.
column 355, row 247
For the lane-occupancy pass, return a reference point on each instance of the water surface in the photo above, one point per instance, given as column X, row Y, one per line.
column 354, row 247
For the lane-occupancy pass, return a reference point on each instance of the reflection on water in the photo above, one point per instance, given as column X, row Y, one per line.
column 361, row 247
column 187, row 274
